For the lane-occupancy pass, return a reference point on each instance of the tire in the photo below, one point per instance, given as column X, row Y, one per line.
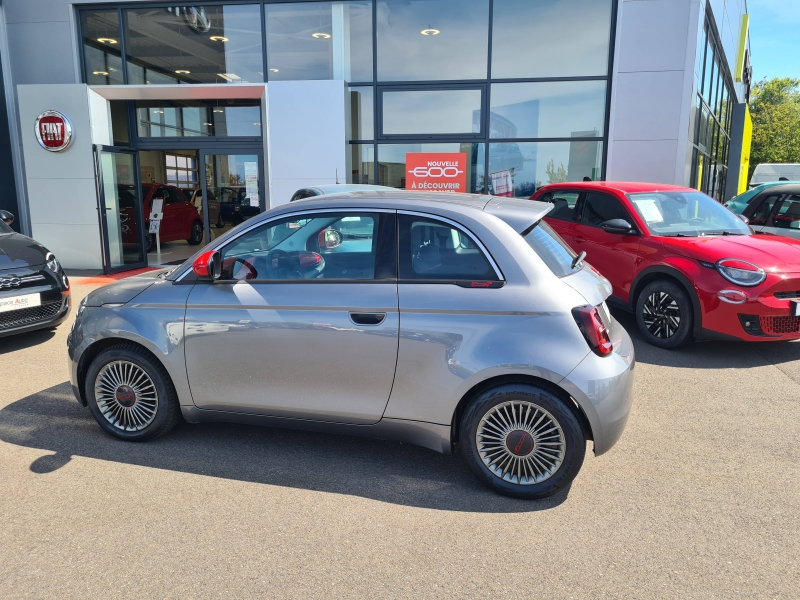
column 115, row 411
column 665, row 315
column 533, row 408
column 196, row 235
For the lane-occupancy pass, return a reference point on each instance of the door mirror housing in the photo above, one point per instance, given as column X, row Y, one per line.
column 743, row 218
column 6, row 217
column 208, row 265
column 618, row 226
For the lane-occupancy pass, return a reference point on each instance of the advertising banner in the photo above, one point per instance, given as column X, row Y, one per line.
column 436, row 171
column 251, row 182
column 502, row 184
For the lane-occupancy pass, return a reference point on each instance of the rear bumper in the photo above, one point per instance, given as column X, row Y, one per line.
column 603, row 387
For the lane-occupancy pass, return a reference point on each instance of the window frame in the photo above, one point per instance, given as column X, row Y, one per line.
column 499, row 280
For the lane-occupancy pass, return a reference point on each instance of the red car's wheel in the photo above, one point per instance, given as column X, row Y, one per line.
column 664, row 314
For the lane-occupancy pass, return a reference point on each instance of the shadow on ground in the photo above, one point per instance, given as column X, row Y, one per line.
column 52, row 420
column 20, row 341
column 710, row 355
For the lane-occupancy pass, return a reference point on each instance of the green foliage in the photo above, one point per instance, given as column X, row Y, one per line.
column 555, row 175
column 775, row 109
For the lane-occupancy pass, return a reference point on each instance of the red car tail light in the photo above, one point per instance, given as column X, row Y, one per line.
column 593, row 329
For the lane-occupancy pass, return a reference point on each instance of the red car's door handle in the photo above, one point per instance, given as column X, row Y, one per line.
column 579, row 238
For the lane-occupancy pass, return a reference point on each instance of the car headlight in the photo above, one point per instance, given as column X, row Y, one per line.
column 741, row 272
column 52, row 263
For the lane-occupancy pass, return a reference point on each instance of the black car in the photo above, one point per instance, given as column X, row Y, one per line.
column 34, row 290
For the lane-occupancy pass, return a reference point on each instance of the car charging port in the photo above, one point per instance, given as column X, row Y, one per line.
column 593, row 329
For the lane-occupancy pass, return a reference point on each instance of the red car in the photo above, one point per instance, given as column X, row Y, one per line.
column 685, row 265
column 181, row 221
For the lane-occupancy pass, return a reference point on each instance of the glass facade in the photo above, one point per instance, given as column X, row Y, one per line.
column 711, row 116
column 521, row 87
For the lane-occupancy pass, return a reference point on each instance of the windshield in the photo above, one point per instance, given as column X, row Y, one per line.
column 554, row 251
column 686, row 214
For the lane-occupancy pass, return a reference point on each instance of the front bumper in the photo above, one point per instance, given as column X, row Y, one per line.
column 53, row 311
column 603, row 387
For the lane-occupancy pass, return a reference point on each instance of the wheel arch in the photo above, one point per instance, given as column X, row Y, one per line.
column 499, row 380
column 669, row 273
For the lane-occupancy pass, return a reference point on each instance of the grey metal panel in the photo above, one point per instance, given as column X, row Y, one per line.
column 36, row 11
column 41, row 52
column 291, row 349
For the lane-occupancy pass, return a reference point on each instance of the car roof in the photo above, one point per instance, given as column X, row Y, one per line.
column 519, row 213
column 625, row 187
column 335, row 188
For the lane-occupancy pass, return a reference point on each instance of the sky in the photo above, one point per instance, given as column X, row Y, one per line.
column 774, row 38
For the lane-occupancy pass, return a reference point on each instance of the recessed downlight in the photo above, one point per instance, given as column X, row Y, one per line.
column 321, row 36
column 218, row 38
column 182, row 71
column 430, row 31
column 218, row 110
column 107, row 40
column 99, row 72
column 208, row 124
column 275, row 70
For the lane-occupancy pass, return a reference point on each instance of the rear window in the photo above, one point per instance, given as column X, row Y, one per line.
column 551, row 249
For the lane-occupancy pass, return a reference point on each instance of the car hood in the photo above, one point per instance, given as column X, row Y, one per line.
column 770, row 252
column 122, row 292
column 17, row 250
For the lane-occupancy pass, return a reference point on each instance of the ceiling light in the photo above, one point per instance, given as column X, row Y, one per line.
column 182, row 71
column 107, row 40
column 218, row 110
column 430, row 31
column 229, row 76
column 274, row 70
column 158, row 112
column 218, row 38
column 321, row 36
column 99, row 72
column 208, row 124
column 259, row 124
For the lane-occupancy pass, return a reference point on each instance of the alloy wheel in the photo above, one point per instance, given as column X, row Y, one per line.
column 520, row 442
column 661, row 315
column 126, row 395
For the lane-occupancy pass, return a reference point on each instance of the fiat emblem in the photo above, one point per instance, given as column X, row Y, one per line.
column 54, row 131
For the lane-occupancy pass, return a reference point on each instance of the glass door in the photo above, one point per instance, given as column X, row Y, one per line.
column 121, row 211
column 232, row 188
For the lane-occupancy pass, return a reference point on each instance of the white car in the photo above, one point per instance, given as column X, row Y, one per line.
column 336, row 188
column 769, row 172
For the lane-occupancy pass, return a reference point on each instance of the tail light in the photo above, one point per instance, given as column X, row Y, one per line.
column 593, row 329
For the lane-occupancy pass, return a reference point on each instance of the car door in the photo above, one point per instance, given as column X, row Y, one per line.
column 785, row 217
column 759, row 211
column 280, row 334
column 185, row 213
column 615, row 255
column 563, row 216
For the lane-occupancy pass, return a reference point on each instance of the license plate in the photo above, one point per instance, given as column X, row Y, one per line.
column 795, row 306
column 20, row 302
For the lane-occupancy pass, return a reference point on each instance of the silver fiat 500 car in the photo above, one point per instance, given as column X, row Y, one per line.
column 446, row 321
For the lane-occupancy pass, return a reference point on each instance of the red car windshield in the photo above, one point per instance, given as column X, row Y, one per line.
column 686, row 214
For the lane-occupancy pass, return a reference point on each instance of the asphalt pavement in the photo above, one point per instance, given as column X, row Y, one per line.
column 699, row 499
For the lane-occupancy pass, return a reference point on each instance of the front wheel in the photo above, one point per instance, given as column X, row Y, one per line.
column 522, row 441
column 196, row 234
column 664, row 314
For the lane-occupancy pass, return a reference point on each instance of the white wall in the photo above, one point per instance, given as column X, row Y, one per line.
column 62, row 195
column 652, row 90
column 306, row 129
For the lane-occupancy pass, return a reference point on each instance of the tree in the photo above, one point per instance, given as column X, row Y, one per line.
column 555, row 175
column 775, row 109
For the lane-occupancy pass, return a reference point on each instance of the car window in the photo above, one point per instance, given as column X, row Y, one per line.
column 431, row 249
column 762, row 212
column 322, row 246
column 788, row 214
column 599, row 208
column 564, row 204
column 176, row 196
column 553, row 250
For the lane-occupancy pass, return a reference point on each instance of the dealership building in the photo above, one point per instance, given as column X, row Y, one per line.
column 210, row 113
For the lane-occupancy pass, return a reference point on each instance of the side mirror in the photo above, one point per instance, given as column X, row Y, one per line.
column 6, row 217
column 743, row 218
column 208, row 265
column 618, row 226
column 329, row 239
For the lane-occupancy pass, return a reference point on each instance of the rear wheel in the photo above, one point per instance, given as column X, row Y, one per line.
column 130, row 394
column 522, row 441
column 664, row 314
column 196, row 234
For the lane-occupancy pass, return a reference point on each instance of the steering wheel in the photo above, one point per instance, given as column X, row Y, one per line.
column 273, row 258
column 243, row 269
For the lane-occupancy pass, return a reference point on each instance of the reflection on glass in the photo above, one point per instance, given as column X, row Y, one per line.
column 548, row 110
column 422, row 40
column 119, row 122
column 550, row 39
column 232, row 181
column 392, row 162
column 194, row 44
column 319, row 40
column 431, row 112
column 204, row 118
column 102, row 62
column 122, row 205
column 362, row 157
column 526, row 166
column 361, row 114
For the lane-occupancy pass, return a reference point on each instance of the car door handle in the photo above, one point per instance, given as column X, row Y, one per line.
column 579, row 239
column 367, row 318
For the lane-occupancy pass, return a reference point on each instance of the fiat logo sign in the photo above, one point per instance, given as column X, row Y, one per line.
column 54, row 131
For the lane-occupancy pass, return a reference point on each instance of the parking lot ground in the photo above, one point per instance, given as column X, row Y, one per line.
column 699, row 499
